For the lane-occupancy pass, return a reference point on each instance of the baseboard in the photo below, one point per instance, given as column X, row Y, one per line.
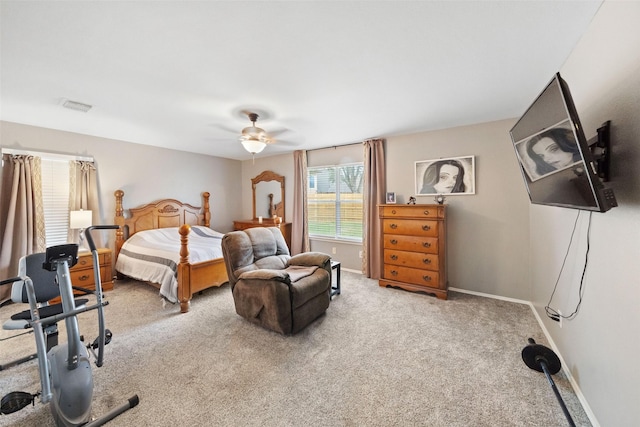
column 572, row 381
column 482, row 294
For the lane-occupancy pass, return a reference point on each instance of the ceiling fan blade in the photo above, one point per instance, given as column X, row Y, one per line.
column 286, row 143
column 225, row 128
column 277, row 132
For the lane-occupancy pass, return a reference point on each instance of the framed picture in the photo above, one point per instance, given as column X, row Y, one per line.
column 391, row 198
column 450, row 176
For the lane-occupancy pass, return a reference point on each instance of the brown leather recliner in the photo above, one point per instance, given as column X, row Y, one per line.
column 270, row 287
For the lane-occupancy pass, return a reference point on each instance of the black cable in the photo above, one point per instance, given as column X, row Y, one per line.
column 584, row 270
column 551, row 312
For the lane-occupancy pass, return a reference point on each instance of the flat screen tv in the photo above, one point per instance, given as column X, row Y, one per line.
column 557, row 164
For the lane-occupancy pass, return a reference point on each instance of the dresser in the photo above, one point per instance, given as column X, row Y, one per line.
column 285, row 227
column 82, row 272
column 414, row 248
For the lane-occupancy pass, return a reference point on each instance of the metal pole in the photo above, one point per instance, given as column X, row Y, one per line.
column 545, row 369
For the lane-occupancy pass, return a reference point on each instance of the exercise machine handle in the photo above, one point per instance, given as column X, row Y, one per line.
column 9, row 281
column 98, row 282
column 87, row 233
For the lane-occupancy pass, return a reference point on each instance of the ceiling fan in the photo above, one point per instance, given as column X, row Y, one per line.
column 253, row 138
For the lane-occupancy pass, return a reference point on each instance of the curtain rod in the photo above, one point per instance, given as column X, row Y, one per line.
column 46, row 155
column 335, row 146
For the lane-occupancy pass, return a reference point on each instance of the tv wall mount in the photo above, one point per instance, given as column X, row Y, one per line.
column 600, row 146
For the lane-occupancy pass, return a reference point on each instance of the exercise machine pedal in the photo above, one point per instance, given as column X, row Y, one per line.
column 15, row 401
column 107, row 339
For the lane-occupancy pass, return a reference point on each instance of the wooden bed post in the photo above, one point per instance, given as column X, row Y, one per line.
column 205, row 208
column 184, row 291
column 119, row 220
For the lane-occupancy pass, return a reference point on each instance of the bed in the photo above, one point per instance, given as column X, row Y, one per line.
column 157, row 222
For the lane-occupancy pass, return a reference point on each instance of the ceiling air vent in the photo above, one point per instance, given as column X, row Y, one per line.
column 78, row 106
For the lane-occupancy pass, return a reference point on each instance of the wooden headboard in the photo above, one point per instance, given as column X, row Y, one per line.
column 160, row 214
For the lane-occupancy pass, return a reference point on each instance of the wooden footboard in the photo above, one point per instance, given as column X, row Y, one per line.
column 192, row 278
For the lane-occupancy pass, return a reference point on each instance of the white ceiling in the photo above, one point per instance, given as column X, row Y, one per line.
column 178, row 74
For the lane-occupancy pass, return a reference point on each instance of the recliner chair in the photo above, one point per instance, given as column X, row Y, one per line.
column 46, row 289
column 270, row 287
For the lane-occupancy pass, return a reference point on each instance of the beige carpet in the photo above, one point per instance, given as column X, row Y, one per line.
column 378, row 357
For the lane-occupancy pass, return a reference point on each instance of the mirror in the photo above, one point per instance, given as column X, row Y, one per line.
column 268, row 195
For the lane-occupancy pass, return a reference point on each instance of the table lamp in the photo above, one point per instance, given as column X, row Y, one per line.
column 79, row 220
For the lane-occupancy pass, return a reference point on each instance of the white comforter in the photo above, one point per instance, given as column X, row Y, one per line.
column 153, row 255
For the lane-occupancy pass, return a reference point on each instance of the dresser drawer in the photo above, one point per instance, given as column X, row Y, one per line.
column 412, row 275
column 426, row 245
column 412, row 259
column 416, row 211
column 86, row 260
column 83, row 278
column 410, row 227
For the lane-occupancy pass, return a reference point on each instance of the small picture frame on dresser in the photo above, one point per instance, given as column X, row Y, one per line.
column 391, row 198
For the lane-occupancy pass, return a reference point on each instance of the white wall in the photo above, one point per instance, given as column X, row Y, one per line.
column 601, row 346
column 487, row 233
column 144, row 173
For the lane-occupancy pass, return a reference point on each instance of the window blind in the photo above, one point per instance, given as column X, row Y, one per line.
column 55, row 199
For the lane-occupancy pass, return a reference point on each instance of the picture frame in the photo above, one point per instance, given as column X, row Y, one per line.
column 391, row 198
column 454, row 176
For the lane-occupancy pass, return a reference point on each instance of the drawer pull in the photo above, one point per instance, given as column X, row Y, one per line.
column 393, row 226
column 426, row 227
column 427, row 278
column 394, row 273
column 83, row 262
column 84, row 277
column 394, row 242
column 394, row 257
column 426, row 213
column 426, row 244
column 393, row 211
column 427, row 260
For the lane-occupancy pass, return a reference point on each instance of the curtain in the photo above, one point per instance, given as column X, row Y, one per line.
column 374, row 188
column 22, row 229
column 299, row 226
column 83, row 195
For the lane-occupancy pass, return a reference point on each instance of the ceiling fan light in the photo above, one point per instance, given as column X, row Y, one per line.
column 253, row 146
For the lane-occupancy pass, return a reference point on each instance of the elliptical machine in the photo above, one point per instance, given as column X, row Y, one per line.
column 65, row 371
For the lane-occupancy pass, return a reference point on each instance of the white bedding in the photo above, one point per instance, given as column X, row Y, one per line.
column 153, row 255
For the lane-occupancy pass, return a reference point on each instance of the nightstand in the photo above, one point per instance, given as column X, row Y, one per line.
column 82, row 272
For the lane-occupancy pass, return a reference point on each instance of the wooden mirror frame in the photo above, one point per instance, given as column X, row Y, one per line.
column 265, row 177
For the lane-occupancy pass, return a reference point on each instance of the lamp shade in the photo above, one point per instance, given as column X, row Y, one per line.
column 80, row 219
column 253, row 146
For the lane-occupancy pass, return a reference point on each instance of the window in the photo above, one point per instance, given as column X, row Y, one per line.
column 55, row 199
column 334, row 201
column 55, row 170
